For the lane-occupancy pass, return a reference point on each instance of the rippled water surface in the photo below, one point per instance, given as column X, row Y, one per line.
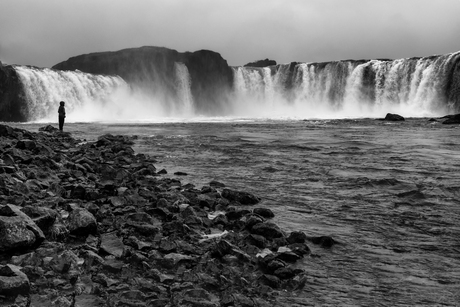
column 388, row 192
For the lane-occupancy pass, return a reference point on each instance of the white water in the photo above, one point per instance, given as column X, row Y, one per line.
column 409, row 87
column 344, row 89
column 90, row 98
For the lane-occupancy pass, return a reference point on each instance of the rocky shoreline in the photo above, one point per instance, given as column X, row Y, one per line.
column 95, row 224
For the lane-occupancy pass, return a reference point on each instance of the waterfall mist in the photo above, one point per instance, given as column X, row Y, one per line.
column 416, row 87
column 92, row 98
column 410, row 87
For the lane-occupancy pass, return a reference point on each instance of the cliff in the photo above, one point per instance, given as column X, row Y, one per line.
column 152, row 70
column 11, row 95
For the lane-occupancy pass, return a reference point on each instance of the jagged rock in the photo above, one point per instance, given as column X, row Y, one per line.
column 42, row 216
column 242, row 197
column 17, row 230
column 172, row 259
column 63, row 262
column 13, row 282
column 112, row 244
column 26, row 144
column 82, row 222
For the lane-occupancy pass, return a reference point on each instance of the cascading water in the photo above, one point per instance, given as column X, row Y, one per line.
column 411, row 87
column 185, row 105
column 45, row 88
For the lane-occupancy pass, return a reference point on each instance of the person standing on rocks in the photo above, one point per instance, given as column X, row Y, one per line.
column 61, row 112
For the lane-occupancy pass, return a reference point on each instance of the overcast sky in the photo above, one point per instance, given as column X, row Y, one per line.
column 46, row 32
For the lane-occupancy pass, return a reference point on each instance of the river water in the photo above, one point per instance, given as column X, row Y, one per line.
column 388, row 192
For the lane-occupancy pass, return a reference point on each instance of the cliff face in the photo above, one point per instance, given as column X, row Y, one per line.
column 12, row 103
column 153, row 70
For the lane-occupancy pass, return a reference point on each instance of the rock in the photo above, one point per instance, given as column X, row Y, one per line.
column 297, row 237
column 394, row 117
column 82, row 222
column 264, row 212
column 42, row 216
column 452, row 119
column 261, row 63
column 13, row 282
column 242, row 197
column 324, row 241
column 26, row 144
column 171, row 260
column 268, row 230
column 17, row 230
column 112, row 244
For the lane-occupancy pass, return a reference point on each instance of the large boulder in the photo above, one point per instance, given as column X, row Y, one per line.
column 82, row 222
column 394, row 117
column 17, row 230
column 12, row 281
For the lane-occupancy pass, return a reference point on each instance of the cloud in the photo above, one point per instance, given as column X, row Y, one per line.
column 46, row 32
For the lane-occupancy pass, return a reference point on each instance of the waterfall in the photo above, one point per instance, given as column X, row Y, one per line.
column 45, row 88
column 184, row 92
column 412, row 87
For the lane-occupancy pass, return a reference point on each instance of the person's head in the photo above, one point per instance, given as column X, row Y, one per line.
column 62, row 103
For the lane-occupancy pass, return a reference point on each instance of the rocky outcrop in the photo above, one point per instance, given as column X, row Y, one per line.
column 153, row 70
column 94, row 224
column 12, row 102
column 261, row 63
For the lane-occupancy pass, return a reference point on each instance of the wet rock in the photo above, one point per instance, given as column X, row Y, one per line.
column 394, row 117
column 13, row 282
column 241, row 197
column 452, row 119
column 82, row 222
column 323, row 241
column 17, row 230
column 268, row 230
column 264, row 212
column 297, row 237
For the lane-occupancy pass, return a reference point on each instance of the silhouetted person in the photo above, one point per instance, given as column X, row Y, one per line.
column 61, row 112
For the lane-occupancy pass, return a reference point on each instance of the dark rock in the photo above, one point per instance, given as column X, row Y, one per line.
column 42, row 216
column 13, row 282
column 452, row 119
column 180, row 174
column 236, row 214
column 81, row 222
column 394, row 117
column 297, row 237
column 268, row 230
column 261, row 63
column 242, row 197
column 26, row 144
column 256, row 240
column 17, row 230
column 216, row 184
column 264, row 212
column 285, row 272
column 324, row 241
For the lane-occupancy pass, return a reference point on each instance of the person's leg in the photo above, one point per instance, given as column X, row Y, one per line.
column 61, row 123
